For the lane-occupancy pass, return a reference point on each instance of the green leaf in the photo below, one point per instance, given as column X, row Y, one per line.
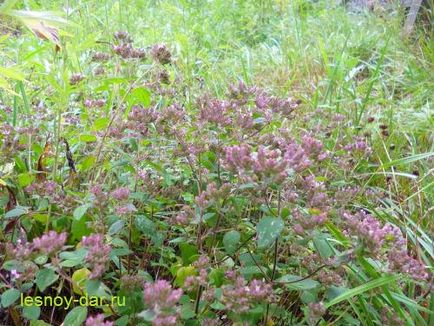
column 182, row 273
column 38, row 323
column 323, row 246
column 88, row 138
column 145, row 225
column 25, row 179
column 362, row 288
column 73, row 258
column 231, row 240
column 45, row 277
column 79, row 277
column 31, row 312
column 188, row 252
column 297, row 283
column 9, row 297
column 116, row 227
column 217, row 277
column 268, row 230
column 407, row 160
column 148, row 315
column 75, row 317
column 97, row 288
column 140, row 95
column 16, row 212
column 80, row 211
column 79, row 228
column 88, row 163
column 101, row 124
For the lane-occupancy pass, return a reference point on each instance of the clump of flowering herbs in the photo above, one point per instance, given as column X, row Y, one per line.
column 162, row 303
column 161, row 54
column 98, row 254
column 240, row 296
column 376, row 237
column 76, row 78
column 50, row 243
column 124, row 47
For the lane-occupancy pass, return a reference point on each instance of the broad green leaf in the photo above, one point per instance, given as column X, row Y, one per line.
column 145, row 225
column 268, row 229
column 148, row 315
column 88, row 163
column 76, row 317
column 116, row 227
column 100, row 123
column 80, row 211
column 79, row 279
column 231, row 240
column 9, row 297
column 97, row 288
column 188, row 253
column 88, row 138
column 45, row 277
column 73, row 258
column 31, row 312
column 38, row 323
column 217, row 277
column 16, row 212
column 183, row 273
column 323, row 246
column 79, row 228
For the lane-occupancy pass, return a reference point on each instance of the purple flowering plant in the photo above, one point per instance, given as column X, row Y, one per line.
column 127, row 174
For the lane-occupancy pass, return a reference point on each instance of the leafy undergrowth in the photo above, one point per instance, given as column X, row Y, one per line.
column 130, row 173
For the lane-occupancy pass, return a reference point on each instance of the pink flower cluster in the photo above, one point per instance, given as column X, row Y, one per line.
column 316, row 195
column 161, row 54
column 50, row 243
column 75, row 78
column 266, row 164
column 359, row 145
column 214, row 111
column 191, row 282
column 240, row 296
column 162, row 299
column 368, row 229
column 277, row 105
column 139, row 118
column 46, row 188
column 97, row 320
column 401, row 261
column 125, row 48
column 97, row 255
column 21, row 250
column 373, row 235
column 121, row 193
column 212, row 194
column 100, row 56
column 307, row 221
column 127, row 51
column 98, row 195
column 184, row 216
column 89, row 103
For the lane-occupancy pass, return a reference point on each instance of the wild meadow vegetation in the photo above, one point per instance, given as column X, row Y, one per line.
column 215, row 163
